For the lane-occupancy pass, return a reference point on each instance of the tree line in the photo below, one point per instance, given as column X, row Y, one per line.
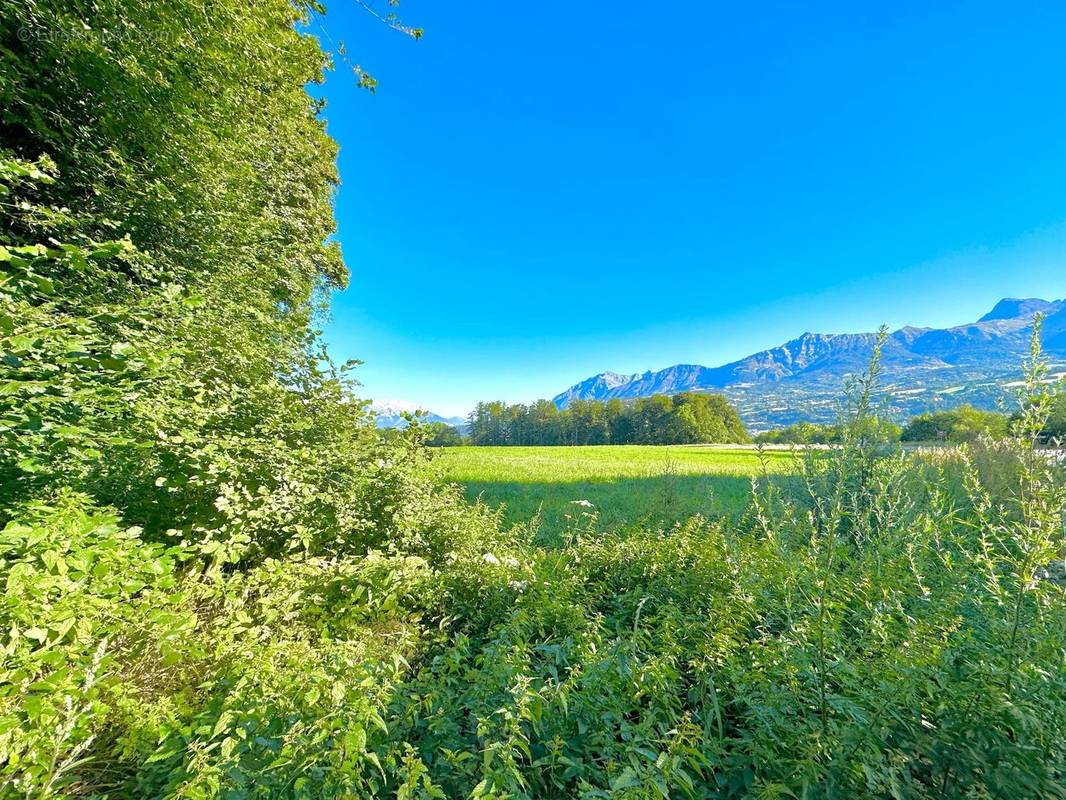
column 685, row 418
column 956, row 425
column 701, row 419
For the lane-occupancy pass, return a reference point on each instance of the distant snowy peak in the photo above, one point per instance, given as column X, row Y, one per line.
column 390, row 414
column 394, row 407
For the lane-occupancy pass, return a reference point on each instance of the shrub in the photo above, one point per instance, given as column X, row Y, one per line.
column 1055, row 428
column 799, row 433
column 85, row 598
column 439, row 434
column 879, row 429
column 963, row 424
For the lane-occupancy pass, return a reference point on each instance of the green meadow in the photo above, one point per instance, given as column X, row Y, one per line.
column 626, row 485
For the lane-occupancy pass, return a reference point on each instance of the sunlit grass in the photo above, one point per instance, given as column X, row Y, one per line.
column 627, row 485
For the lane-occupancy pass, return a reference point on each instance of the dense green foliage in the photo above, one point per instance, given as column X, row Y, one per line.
column 684, row 418
column 872, row 647
column 962, row 424
column 955, row 426
column 441, row 434
column 220, row 580
column 187, row 487
column 169, row 200
column 1055, row 427
column 625, row 487
column 878, row 429
column 800, row 433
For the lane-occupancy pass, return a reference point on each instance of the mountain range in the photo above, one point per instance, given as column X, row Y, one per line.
column 801, row 380
column 390, row 414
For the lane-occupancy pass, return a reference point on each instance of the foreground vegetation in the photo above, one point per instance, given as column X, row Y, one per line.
column 556, row 489
column 221, row 581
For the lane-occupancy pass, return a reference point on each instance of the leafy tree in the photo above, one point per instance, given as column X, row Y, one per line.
column 440, row 434
column 800, row 433
column 587, row 422
column 177, row 454
column 619, row 422
column 686, row 418
column 171, row 188
column 963, row 424
column 717, row 419
column 546, row 424
column 1055, row 427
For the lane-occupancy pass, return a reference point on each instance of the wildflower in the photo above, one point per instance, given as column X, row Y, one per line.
column 489, row 558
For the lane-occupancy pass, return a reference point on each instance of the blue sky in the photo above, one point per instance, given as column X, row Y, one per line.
column 541, row 191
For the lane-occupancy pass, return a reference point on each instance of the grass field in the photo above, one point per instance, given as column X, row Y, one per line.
column 625, row 484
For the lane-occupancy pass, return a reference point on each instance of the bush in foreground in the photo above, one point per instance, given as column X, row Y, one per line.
column 892, row 630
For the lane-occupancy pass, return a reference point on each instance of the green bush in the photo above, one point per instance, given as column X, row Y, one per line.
column 1055, row 428
column 126, row 671
column 440, row 434
column 881, row 430
column 962, row 424
column 84, row 598
column 800, row 433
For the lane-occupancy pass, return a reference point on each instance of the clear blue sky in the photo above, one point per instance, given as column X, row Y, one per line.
column 542, row 191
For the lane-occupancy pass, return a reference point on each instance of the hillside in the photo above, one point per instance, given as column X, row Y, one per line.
column 390, row 414
column 924, row 368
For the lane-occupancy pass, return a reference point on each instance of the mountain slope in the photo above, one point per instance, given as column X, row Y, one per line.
column 390, row 413
column 1013, row 307
column 923, row 368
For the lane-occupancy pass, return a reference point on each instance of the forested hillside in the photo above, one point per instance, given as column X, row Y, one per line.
column 222, row 581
